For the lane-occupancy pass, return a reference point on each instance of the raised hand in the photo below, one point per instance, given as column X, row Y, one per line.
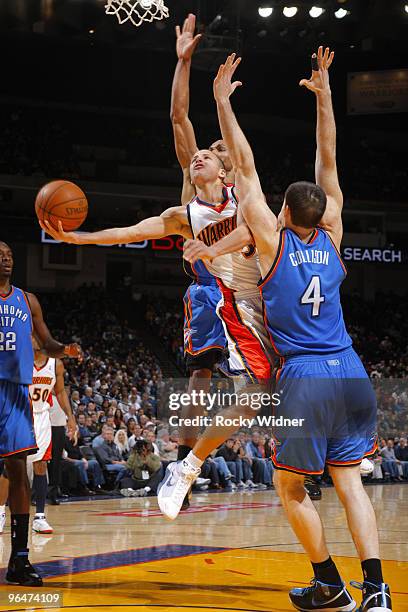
column 195, row 250
column 74, row 351
column 223, row 85
column 60, row 234
column 319, row 81
column 186, row 41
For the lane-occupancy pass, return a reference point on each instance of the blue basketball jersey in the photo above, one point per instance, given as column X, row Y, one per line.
column 16, row 349
column 301, row 296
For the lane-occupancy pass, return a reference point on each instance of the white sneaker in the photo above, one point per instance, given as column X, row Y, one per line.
column 2, row 521
column 133, row 492
column 233, row 486
column 175, row 485
column 40, row 524
column 261, row 486
column 250, row 484
column 242, row 485
column 366, row 467
column 202, row 481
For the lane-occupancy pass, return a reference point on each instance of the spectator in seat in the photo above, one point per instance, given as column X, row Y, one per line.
column 390, row 462
column 99, row 440
column 136, row 435
column 230, row 451
column 84, row 432
column 74, row 401
column 146, row 472
column 167, row 448
column 109, row 456
column 121, row 441
column 87, row 397
column 150, row 436
column 86, row 468
column 131, row 414
column 118, row 421
column 401, row 453
column 262, row 469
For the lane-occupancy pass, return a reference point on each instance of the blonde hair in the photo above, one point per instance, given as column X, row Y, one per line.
column 121, row 446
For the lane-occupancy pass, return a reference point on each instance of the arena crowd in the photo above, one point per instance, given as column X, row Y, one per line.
column 123, row 442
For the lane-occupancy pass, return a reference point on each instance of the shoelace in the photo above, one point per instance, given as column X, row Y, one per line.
column 357, row 585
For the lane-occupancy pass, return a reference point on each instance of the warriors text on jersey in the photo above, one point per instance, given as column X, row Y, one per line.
column 44, row 380
column 212, row 222
column 301, row 296
column 16, row 350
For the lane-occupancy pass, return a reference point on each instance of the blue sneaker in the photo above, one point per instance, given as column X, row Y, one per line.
column 324, row 597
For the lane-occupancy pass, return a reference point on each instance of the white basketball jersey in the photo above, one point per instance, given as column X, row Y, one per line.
column 44, row 380
column 212, row 222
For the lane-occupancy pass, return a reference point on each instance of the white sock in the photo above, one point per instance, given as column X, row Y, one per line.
column 193, row 460
column 3, row 509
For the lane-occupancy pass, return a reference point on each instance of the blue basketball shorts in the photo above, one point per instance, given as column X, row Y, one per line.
column 204, row 338
column 327, row 413
column 16, row 420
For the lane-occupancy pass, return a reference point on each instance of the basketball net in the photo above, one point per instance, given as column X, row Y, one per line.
column 137, row 11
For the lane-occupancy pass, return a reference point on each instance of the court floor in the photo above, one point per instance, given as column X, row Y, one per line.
column 230, row 552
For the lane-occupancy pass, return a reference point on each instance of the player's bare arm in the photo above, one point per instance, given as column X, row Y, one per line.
column 235, row 241
column 184, row 137
column 171, row 221
column 62, row 397
column 48, row 344
column 259, row 218
column 326, row 167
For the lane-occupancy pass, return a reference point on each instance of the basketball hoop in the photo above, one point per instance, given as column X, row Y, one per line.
column 137, row 11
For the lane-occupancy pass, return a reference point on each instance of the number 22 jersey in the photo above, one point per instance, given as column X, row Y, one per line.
column 301, row 296
column 16, row 349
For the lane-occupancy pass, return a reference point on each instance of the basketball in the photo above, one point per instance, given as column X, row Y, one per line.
column 61, row 201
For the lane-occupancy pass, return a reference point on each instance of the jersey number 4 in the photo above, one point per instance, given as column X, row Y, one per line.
column 313, row 295
column 7, row 341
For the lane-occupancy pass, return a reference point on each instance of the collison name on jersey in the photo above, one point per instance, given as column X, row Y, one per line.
column 316, row 257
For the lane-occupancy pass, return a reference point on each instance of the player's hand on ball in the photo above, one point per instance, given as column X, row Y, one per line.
column 223, row 85
column 186, row 41
column 74, row 351
column 319, row 81
column 60, row 234
column 195, row 249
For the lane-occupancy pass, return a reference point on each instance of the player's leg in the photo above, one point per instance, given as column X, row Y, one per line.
column 20, row 571
column 16, row 425
column 363, row 528
column 180, row 476
column 40, row 523
column 305, row 521
column 199, row 381
column 352, row 439
column 4, row 492
column 204, row 344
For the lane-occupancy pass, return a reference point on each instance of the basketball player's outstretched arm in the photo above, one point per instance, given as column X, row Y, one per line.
column 184, row 137
column 259, row 218
column 171, row 221
column 326, row 167
column 62, row 397
column 48, row 344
